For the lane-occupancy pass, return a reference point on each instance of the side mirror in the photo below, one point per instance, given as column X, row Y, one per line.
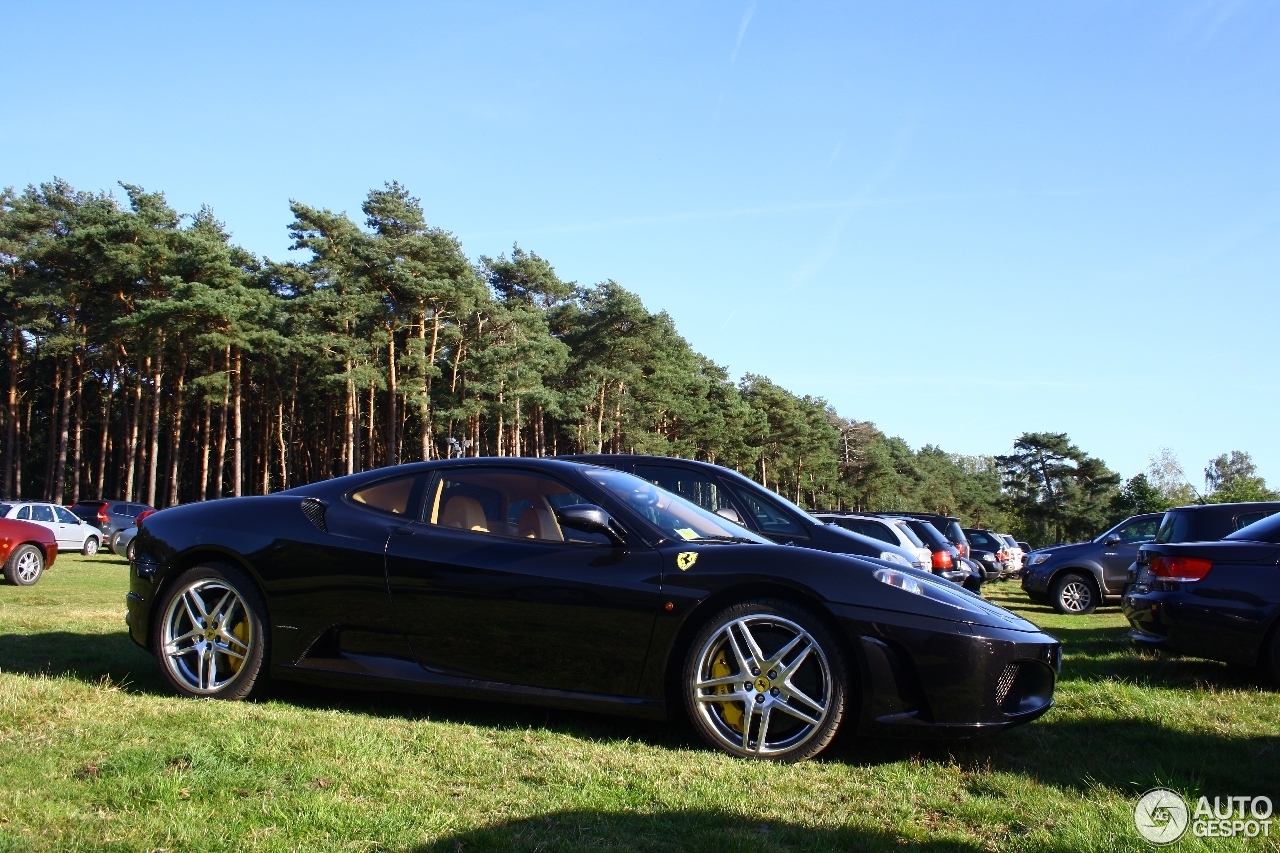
column 729, row 513
column 1112, row 540
column 590, row 518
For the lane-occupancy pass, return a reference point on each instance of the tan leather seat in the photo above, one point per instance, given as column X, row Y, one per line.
column 464, row 513
column 538, row 523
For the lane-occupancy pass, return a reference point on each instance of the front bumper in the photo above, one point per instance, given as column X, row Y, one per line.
column 929, row 677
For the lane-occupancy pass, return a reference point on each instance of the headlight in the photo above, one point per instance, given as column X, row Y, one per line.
column 1037, row 559
column 898, row 579
column 890, row 557
column 990, row 558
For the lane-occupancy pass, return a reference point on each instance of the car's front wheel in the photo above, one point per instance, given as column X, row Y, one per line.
column 24, row 566
column 90, row 546
column 765, row 679
column 1074, row 595
column 210, row 633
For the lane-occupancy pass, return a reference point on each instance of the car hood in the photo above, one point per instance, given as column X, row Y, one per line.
column 1073, row 550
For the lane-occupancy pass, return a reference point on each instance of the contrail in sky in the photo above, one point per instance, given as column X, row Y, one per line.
column 742, row 29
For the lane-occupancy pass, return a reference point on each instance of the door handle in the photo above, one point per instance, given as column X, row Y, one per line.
column 402, row 531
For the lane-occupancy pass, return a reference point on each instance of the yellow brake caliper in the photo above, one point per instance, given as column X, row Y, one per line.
column 241, row 633
column 730, row 711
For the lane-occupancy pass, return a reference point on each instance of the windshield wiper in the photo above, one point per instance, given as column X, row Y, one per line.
column 733, row 539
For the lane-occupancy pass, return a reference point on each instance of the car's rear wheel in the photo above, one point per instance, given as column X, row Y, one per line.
column 765, row 679
column 24, row 566
column 210, row 634
column 128, row 551
column 90, row 546
column 1074, row 595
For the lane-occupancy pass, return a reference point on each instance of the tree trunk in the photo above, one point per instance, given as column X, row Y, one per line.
column 77, row 432
column 8, row 486
column 600, row 418
column 516, row 443
column 425, row 406
column 108, row 391
column 131, row 446
column 175, row 439
column 205, row 442
column 237, row 457
column 371, row 450
column 349, row 425
column 393, row 418
column 153, row 454
column 221, row 467
column 283, row 448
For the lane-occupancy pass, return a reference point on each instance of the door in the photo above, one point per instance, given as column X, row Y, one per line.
column 1119, row 555
column 42, row 514
column 487, row 585
column 70, row 530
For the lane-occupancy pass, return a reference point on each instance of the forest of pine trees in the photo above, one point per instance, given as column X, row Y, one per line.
column 149, row 358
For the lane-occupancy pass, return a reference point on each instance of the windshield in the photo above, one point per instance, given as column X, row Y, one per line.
column 1266, row 530
column 676, row 517
column 1174, row 527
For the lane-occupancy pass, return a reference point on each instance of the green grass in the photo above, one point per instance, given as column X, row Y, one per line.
column 94, row 754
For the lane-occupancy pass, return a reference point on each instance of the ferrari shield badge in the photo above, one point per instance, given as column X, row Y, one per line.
column 686, row 559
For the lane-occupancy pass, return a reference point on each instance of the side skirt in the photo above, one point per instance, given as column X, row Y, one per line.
column 367, row 672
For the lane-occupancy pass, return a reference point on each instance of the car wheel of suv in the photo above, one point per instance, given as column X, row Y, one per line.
column 90, row 546
column 765, row 679
column 128, row 551
column 24, row 566
column 1074, row 595
column 209, row 634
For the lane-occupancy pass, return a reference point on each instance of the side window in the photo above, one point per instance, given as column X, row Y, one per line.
column 24, row 513
column 511, row 503
column 65, row 517
column 1247, row 518
column 693, row 486
column 393, row 496
column 1137, row 532
column 121, row 510
column 41, row 513
column 876, row 530
column 769, row 518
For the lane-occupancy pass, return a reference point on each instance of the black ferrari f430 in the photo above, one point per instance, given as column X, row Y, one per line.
column 566, row 584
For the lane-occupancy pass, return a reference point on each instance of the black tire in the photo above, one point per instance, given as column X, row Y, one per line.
column 25, row 565
column 128, row 550
column 1074, row 594
column 90, row 546
column 217, row 647
column 809, row 680
column 113, row 542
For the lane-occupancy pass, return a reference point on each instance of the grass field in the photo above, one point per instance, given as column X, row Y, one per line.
column 94, row 754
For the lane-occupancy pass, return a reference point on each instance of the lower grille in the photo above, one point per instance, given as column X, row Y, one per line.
column 1005, row 684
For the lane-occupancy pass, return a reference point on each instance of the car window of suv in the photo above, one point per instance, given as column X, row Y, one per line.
column 1244, row 519
column 690, row 485
column 516, row 504
column 769, row 518
column 909, row 533
column 876, row 530
column 24, row 513
column 1138, row 531
column 1266, row 529
column 982, row 541
column 120, row 509
column 65, row 516
column 40, row 512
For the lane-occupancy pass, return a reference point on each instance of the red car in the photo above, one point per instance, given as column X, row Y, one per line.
column 26, row 550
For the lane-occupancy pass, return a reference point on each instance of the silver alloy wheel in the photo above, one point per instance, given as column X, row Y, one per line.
column 207, row 635
column 90, row 546
column 762, row 684
column 1076, row 596
column 28, row 566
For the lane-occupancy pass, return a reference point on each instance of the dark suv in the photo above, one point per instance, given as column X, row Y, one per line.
column 746, row 502
column 1075, row 579
column 989, row 550
column 1211, row 522
column 111, row 516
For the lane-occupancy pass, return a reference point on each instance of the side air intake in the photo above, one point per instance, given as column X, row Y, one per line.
column 313, row 509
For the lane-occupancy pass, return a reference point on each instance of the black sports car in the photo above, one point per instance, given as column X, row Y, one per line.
column 1217, row 600
column 560, row 583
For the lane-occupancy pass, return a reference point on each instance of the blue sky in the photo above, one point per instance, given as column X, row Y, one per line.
column 960, row 221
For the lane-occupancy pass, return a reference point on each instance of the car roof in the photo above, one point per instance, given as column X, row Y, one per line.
column 1231, row 507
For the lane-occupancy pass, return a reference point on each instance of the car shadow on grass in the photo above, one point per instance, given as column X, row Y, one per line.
column 87, row 657
column 588, row 830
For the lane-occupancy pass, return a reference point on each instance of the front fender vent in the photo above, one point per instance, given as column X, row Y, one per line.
column 313, row 509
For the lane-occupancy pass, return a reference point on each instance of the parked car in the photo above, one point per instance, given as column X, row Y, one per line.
column 1026, row 548
column 110, row 516
column 1016, row 553
column 947, row 525
column 1218, row 600
column 1075, row 579
column 544, row 581
column 947, row 561
column 71, row 533
column 989, row 550
column 26, row 549
column 746, row 502
column 1209, row 522
column 122, row 543
column 891, row 530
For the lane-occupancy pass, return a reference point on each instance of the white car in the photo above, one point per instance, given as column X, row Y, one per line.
column 892, row 530
column 72, row 533
column 1016, row 554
